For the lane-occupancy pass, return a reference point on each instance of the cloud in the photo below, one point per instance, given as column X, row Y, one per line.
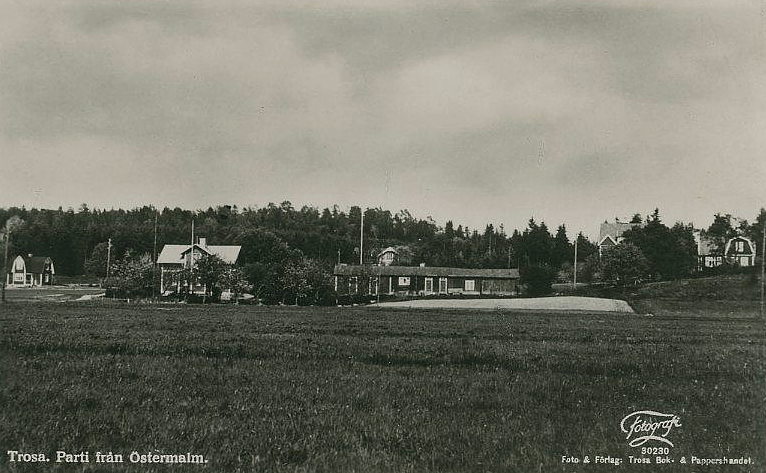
column 432, row 107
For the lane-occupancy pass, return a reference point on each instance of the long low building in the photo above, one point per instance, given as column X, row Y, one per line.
column 423, row 280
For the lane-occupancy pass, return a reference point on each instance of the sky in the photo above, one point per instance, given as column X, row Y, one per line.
column 569, row 111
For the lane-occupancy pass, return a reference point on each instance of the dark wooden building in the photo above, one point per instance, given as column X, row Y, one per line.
column 423, row 280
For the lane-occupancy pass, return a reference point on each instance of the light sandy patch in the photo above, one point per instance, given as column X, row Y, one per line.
column 588, row 304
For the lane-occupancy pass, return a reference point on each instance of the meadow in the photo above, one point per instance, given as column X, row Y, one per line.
column 376, row 390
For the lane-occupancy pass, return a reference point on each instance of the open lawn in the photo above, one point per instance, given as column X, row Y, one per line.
column 49, row 293
column 374, row 389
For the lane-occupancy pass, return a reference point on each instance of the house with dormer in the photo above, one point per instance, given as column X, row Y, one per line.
column 175, row 258
column 713, row 252
column 611, row 234
column 30, row 270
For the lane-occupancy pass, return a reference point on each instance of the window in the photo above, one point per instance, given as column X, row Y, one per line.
column 470, row 285
column 387, row 258
column 404, row 280
column 429, row 284
column 442, row 285
column 740, row 246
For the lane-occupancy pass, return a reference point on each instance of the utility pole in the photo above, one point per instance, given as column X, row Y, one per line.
column 361, row 238
column 154, row 258
column 191, row 264
column 763, row 263
column 108, row 256
column 5, row 256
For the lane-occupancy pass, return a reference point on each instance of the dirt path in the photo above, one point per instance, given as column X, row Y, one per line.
column 589, row 304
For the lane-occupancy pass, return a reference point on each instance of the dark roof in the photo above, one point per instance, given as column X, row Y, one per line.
column 706, row 245
column 709, row 246
column 36, row 264
column 345, row 270
column 748, row 249
column 615, row 230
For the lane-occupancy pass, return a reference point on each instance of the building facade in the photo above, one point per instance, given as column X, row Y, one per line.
column 31, row 271
column 713, row 252
column 175, row 258
column 423, row 281
column 610, row 234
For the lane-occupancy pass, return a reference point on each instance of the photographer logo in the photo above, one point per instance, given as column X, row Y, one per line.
column 643, row 426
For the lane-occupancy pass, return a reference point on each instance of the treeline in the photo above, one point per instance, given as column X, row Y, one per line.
column 330, row 235
column 284, row 247
column 654, row 251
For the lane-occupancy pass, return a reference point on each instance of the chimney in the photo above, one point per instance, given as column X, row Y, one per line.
column 203, row 242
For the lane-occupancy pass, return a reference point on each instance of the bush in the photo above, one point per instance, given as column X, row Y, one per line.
column 537, row 279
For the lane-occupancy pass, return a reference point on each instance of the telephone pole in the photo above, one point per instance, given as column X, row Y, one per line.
column 191, row 264
column 361, row 238
column 154, row 258
column 5, row 256
column 108, row 256
column 763, row 263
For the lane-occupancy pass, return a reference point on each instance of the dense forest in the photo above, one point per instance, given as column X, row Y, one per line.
column 278, row 235
column 330, row 235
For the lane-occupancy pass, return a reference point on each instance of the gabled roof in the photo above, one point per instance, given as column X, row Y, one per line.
column 706, row 246
column 615, row 230
column 749, row 248
column 35, row 264
column 603, row 241
column 709, row 246
column 390, row 249
column 432, row 271
column 173, row 254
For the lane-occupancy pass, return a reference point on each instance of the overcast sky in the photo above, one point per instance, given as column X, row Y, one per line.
column 478, row 111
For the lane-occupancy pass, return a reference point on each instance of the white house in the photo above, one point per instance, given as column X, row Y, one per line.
column 713, row 252
column 610, row 234
column 31, row 271
column 174, row 258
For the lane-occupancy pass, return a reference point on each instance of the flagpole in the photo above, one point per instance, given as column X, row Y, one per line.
column 5, row 257
column 108, row 256
column 154, row 259
column 191, row 262
column 763, row 263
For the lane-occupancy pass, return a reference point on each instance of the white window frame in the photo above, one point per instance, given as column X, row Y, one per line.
column 740, row 246
column 429, row 282
column 404, row 281
column 470, row 285
column 443, row 283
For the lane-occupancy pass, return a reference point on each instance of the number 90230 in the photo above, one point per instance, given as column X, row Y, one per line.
column 655, row 450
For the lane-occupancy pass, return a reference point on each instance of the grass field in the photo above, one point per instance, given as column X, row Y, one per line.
column 49, row 293
column 367, row 390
